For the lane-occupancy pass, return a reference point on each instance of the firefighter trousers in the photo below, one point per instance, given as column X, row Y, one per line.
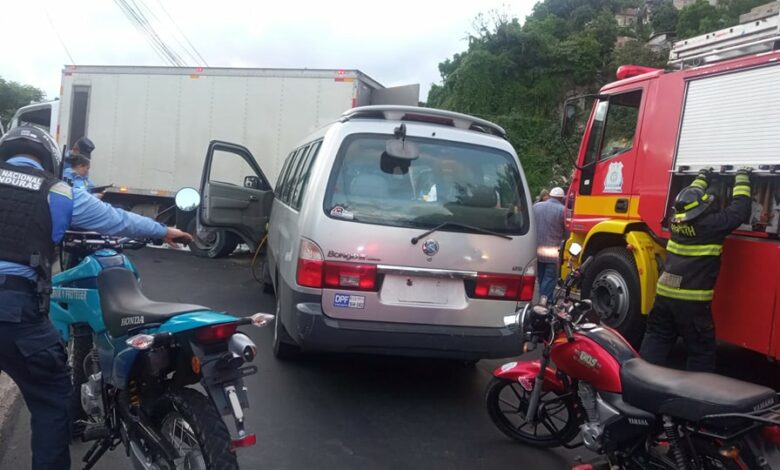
column 33, row 354
column 672, row 318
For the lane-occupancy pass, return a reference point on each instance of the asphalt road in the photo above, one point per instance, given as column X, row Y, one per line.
column 341, row 411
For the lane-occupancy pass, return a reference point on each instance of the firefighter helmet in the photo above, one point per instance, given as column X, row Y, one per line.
column 690, row 203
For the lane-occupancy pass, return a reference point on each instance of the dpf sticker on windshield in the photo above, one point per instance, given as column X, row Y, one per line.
column 349, row 301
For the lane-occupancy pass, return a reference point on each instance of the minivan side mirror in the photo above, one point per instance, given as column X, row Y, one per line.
column 252, row 182
column 568, row 118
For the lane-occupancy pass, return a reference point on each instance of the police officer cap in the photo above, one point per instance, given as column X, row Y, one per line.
column 31, row 140
column 85, row 146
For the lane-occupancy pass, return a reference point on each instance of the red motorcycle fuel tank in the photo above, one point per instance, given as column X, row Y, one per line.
column 594, row 356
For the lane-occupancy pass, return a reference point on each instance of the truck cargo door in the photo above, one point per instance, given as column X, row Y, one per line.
column 236, row 194
column 606, row 184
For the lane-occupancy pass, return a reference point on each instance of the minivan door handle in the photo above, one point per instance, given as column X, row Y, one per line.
column 252, row 198
column 621, row 206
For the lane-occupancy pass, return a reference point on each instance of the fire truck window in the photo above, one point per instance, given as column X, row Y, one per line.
column 621, row 123
column 595, row 132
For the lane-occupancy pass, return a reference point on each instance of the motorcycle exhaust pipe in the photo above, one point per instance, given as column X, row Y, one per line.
column 240, row 345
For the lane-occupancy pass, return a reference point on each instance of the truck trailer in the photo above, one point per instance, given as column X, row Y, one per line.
column 152, row 125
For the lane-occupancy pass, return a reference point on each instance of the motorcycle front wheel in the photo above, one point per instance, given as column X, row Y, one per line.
column 193, row 427
column 507, row 402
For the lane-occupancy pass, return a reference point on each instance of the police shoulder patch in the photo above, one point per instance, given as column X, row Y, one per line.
column 62, row 189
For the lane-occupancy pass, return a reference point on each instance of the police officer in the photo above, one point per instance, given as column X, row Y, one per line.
column 35, row 210
column 79, row 158
column 685, row 288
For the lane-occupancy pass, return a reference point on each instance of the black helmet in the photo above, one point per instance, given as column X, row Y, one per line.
column 690, row 203
column 31, row 140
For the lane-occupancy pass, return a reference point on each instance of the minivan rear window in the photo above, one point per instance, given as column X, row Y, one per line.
column 448, row 182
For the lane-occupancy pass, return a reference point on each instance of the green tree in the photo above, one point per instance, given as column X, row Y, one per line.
column 664, row 18
column 13, row 96
column 699, row 18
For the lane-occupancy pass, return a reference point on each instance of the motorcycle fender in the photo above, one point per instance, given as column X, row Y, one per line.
column 219, row 380
column 525, row 374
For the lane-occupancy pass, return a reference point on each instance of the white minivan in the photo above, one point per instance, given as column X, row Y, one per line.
column 395, row 230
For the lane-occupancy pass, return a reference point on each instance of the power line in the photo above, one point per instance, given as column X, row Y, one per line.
column 150, row 12
column 56, row 33
column 182, row 33
column 136, row 16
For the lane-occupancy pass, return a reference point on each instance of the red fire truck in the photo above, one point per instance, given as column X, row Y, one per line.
column 647, row 135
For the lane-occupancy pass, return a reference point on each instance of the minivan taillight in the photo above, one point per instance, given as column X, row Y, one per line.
column 310, row 265
column 504, row 286
column 350, row 276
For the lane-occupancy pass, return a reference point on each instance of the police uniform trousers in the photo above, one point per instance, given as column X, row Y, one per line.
column 672, row 318
column 33, row 354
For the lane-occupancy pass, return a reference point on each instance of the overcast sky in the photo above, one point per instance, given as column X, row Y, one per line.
column 396, row 42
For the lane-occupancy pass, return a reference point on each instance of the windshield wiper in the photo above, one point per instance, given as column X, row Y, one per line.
column 456, row 224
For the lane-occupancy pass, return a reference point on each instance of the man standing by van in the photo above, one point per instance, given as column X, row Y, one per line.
column 550, row 230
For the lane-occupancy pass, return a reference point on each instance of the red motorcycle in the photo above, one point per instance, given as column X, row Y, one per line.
column 591, row 388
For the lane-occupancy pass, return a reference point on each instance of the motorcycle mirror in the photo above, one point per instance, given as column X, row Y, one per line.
column 261, row 319
column 187, row 199
column 575, row 249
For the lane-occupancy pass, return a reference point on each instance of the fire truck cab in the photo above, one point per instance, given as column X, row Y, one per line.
column 647, row 135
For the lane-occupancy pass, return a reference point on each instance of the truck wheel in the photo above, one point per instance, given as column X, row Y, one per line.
column 222, row 245
column 612, row 284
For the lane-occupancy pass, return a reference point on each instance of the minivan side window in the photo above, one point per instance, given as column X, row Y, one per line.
column 292, row 176
column 303, row 176
column 282, row 176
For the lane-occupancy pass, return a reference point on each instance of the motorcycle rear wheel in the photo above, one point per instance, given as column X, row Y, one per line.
column 190, row 423
column 507, row 402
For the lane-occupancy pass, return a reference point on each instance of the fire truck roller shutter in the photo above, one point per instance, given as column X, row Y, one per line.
column 731, row 119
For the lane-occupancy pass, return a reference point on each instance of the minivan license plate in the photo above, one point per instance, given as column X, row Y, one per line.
column 419, row 290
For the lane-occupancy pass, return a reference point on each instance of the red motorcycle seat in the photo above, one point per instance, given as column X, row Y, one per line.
column 689, row 395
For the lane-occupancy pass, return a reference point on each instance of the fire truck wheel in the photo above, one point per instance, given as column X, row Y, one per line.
column 612, row 284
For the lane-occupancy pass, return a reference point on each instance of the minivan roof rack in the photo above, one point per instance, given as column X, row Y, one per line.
column 757, row 36
column 421, row 114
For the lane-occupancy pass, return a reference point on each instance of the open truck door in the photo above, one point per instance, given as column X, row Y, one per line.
column 236, row 197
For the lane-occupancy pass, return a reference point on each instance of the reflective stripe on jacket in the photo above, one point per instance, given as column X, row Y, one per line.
column 694, row 250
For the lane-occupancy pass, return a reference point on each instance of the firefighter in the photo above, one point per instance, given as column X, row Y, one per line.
column 685, row 288
column 35, row 210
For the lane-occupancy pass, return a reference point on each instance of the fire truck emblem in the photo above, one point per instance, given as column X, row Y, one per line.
column 613, row 183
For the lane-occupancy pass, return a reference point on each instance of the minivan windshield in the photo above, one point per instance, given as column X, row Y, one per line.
column 448, row 182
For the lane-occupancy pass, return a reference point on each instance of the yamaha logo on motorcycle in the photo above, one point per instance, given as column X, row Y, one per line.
column 633, row 414
column 154, row 352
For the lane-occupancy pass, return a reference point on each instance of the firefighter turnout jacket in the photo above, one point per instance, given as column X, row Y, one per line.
column 693, row 252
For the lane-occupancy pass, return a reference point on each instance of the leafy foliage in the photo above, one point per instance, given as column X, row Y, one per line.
column 517, row 75
column 13, row 96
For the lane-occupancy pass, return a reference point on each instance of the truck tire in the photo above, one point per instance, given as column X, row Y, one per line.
column 612, row 284
column 224, row 243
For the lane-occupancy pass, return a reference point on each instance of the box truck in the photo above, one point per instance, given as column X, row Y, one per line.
column 152, row 125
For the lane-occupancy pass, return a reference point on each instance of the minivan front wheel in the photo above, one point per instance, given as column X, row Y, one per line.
column 612, row 284
column 283, row 345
